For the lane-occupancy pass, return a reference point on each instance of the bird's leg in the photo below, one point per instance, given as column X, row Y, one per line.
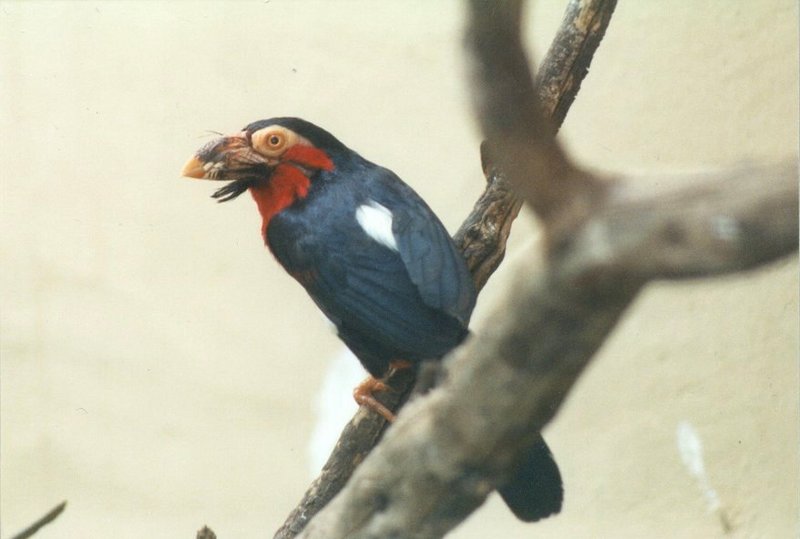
column 364, row 396
column 364, row 392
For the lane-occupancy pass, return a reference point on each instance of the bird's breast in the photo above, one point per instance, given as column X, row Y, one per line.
column 336, row 227
column 286, row 185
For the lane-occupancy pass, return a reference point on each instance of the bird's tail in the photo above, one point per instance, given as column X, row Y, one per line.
column 535, row 491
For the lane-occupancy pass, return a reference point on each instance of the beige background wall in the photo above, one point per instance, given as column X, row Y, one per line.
column 158, row 369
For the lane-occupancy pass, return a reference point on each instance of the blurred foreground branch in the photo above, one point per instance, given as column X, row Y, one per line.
column 606, row 239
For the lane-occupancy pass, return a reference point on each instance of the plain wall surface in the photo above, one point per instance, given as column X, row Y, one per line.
column 157, row 367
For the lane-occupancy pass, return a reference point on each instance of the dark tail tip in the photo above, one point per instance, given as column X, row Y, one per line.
column 536, row 490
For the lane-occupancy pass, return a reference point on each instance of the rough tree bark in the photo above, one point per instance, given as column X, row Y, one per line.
column 605, row 240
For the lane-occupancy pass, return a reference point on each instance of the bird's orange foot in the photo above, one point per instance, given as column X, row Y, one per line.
column 364, row 393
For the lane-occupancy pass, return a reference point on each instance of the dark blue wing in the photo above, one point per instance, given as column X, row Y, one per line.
column 378, row 310
column 432, row 260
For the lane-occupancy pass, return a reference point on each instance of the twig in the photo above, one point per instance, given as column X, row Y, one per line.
column 205, row 533
column 42, row 522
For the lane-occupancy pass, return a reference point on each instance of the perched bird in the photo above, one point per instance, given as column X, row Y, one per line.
column 370, row 253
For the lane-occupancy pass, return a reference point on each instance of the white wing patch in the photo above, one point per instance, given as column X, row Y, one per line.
column 376, row 220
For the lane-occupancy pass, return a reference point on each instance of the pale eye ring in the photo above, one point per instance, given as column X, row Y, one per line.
column 272, row 141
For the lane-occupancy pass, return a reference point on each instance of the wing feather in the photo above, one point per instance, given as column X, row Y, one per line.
column 431, row 259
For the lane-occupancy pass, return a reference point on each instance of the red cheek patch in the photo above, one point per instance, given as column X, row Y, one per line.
column 309, row 157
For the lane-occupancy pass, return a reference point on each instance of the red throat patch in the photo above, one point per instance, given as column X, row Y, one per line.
column 288, row 182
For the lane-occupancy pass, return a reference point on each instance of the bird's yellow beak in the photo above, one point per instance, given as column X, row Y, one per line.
column 221, row 159
column 194, row 168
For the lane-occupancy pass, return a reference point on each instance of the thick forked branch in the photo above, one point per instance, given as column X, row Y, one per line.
column 449, row 449
column 482, row 238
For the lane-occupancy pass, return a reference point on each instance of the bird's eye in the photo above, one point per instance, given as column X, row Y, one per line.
column 272, row 141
